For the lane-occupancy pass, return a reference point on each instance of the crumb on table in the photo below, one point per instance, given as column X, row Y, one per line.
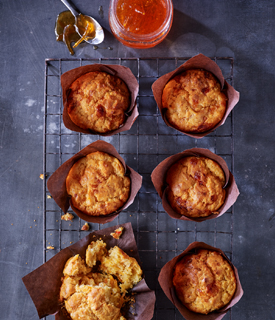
column 50, row 247
column 67, row 217
column 85, row 227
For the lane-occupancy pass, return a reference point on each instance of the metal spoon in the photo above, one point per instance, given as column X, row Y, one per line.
column 98, row 35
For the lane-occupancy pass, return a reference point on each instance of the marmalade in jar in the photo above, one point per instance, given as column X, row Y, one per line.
column 141, row 16
column 140, row 23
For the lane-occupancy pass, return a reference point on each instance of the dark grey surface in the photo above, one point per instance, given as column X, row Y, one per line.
column 241, row 29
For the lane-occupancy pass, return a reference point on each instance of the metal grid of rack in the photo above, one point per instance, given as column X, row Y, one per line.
column 159, row 237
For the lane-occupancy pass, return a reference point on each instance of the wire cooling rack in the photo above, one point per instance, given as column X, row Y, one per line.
column 159, row 237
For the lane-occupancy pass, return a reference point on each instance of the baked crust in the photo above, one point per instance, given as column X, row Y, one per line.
column 193, row 101
column 195, row 186
column 97, row 184
column 98, row 101
column 101, row 302
column 204, row 281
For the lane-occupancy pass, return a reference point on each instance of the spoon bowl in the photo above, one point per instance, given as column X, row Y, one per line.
column 96, row 35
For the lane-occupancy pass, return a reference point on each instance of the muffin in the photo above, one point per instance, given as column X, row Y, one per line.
column 204, row 281
column 91, row 292
column 193, row 101
column 195, row 186
column 98, row 101
column 97, row 184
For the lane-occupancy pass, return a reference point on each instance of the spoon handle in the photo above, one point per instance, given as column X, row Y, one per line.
column 71, row 7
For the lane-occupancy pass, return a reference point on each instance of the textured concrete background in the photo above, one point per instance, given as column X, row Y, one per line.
column 242, row 29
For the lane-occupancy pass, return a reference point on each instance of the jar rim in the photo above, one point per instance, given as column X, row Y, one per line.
column 141, row 37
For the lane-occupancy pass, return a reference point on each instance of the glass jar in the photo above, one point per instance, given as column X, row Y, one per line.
column 140, row 23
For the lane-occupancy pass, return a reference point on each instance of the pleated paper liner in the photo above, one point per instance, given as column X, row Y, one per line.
column 57, row 182
column 119, row 71
column 197, row 62
column 166, row 282
column 159, row 174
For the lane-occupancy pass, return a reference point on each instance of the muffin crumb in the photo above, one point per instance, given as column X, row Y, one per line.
column 85, row 227
column 67, row 217
column 117, row 234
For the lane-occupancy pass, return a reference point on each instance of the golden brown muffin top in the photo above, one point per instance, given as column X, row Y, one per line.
column 195, row 186
column 94, row 295
column 98, row 101
column 194, row 101
column 97, row 184
column 204, row 281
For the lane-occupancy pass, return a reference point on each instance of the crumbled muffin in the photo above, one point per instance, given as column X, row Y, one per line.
column 94, row 295
column 125, row 268
column 193, row 101
column 97, row 184
column 204, row 281
column 98, row 101
column 195, row 186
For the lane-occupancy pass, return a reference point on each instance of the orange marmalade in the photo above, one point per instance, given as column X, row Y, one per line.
column 141, row 16
column 140, row 23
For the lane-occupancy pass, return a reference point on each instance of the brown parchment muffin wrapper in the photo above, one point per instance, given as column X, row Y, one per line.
column 199, row 61
column 158, row 177
column 43, row 284
column 57, row 182
column 166, row 282
column 119, row 71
